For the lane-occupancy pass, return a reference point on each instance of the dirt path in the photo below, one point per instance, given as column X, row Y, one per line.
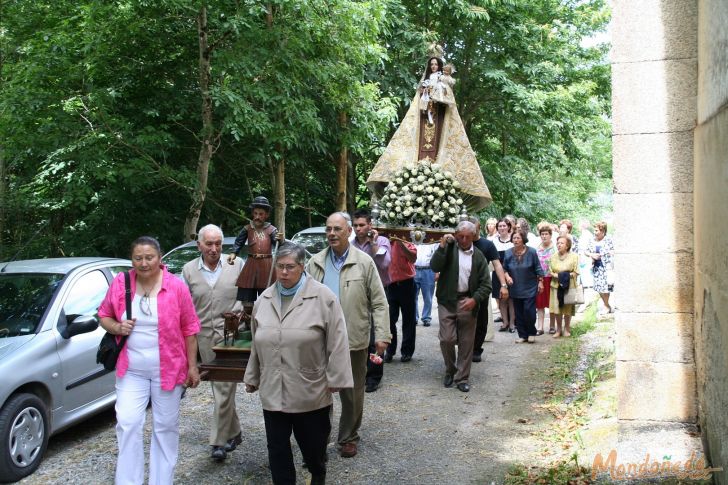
column 415, row 431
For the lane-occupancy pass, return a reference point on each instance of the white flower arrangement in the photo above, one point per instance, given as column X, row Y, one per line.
column 422, row 194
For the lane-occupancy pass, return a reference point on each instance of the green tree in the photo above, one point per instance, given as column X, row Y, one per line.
column 534, row 101
column 118, row 118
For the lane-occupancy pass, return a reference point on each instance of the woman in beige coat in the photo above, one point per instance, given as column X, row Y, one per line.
column 299, row 357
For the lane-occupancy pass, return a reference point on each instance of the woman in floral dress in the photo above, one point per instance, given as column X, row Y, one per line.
column 600, row 250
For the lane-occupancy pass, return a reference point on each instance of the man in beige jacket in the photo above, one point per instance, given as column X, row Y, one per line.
column 212, row 285
column 353, row 277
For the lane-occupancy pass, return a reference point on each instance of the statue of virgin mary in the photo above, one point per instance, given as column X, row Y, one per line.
column 432, row 132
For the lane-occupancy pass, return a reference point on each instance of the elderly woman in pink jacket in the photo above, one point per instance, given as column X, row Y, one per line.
column 299, row 357
column 157, row 361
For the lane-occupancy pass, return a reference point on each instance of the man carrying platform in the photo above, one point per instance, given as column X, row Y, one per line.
column 212, row 286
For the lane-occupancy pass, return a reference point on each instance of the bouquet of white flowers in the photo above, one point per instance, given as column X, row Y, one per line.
column 421, row 195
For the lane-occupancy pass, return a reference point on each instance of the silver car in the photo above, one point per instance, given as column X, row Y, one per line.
column 313, row 239
column 49, row 334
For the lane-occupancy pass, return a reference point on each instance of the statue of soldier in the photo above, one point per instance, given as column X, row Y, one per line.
column 260, row 237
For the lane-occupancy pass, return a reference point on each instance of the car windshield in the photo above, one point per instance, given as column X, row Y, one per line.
column 24, row 299
column 176, row 259
column 313, row 242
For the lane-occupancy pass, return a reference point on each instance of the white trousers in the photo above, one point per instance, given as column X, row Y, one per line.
column 133, row 392
column 490, row 332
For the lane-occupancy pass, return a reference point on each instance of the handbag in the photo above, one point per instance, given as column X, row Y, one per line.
column 109, row 348
column 575, row 294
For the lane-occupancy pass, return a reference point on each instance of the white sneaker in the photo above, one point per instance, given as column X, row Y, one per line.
column 531, row 339
column 520, row 340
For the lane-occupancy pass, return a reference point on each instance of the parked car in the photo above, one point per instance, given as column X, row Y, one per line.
column 49, row 334
column 313, row 239
column 182, row 254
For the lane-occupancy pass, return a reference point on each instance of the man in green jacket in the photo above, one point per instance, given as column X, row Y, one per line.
column 463, row 285
column 352, row 275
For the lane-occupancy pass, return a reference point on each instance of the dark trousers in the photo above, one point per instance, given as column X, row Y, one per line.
column 375, row 372
column 525, row 310
column 481, row 326
column 311, row 430
column 401, row 296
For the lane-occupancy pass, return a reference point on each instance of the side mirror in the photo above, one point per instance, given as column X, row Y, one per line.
column 80, row 324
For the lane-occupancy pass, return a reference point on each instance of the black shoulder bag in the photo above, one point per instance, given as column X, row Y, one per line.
column 109, row 348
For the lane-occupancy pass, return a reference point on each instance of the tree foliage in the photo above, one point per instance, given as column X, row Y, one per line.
column 101, row 124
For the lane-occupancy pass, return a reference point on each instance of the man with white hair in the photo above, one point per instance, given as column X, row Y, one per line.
column 212, row 285
column 463, row 286
column 354, row 279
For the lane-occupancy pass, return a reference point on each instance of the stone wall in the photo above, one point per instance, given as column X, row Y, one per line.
column 654, row 90
column 711, row 249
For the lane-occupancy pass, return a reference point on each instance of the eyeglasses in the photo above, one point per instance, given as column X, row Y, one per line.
column 286, row 267
column 145, row 306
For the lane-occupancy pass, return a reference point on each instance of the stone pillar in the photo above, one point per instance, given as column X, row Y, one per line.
column 711, row 246
column 654, row 79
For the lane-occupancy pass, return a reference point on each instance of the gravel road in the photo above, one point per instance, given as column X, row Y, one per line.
column 415, row 431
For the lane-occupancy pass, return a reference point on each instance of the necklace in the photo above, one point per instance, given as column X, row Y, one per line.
column 562, row 258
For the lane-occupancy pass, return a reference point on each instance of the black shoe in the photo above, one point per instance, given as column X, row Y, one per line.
column 426, row 324
column 218, row 453
column 503, row 329
column 405, row 358
column 447, row 381
column 388, row 357
column 371, row 387
column 513, row 330
column 463, row 387
column 233, row 442
column 318, row 479
column 477, row 358
column 498, row 319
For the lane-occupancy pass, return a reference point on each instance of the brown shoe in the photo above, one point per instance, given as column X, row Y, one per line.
column 348, row 450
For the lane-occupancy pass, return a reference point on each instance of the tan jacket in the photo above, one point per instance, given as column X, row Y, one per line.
column 361, row 295
column 297, row 357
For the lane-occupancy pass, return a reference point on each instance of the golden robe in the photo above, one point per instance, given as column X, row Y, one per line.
column 454, row 154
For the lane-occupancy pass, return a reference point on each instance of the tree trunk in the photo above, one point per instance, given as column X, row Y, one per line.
column 278, row 166
column 341, row 167
column 279, row 206
column 504, row 135
column 351, row 187
column 269, row 15
column 208, row 132
column 308, row 205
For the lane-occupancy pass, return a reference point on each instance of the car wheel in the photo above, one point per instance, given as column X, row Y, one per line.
column 23, row 436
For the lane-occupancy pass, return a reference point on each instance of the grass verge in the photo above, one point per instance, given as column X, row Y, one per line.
column 576, row 366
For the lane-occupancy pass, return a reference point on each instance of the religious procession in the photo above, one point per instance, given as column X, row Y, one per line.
column 363, row 242
column 299, row 329
column 383, row 256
